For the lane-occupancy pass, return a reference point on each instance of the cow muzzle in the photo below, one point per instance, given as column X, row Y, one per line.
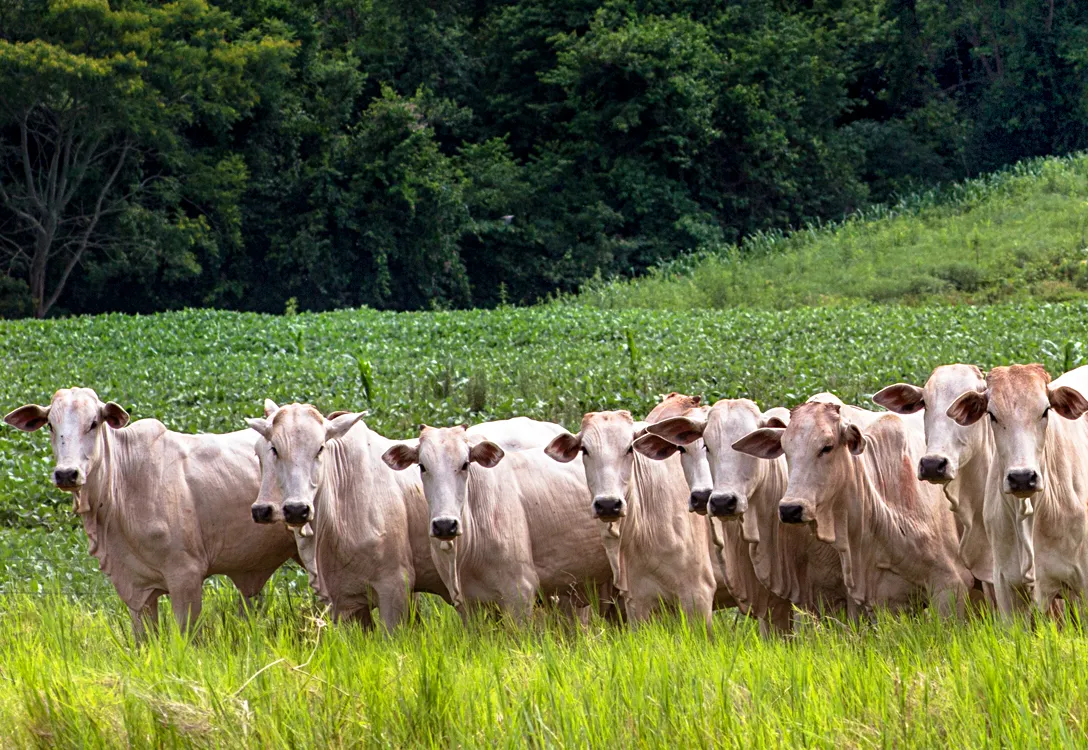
column 935, row 468
column 445, row 528
column 296, row 514
column 263, row 512
column 609, row 508
column 68, row 478
column 697, row 501
column 1022, row 482
column 792, row 512
column 727, row 505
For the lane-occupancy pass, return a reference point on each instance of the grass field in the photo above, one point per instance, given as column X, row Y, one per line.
column 70, row 676
column 1020, row 234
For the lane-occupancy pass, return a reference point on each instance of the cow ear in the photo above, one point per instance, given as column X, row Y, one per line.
column 486, row 454
column 338, row 413
column 679, row 430
column 564, row 447
column 270, row 408
column 657, row 448
column 337, row 428
column 28, row 418
column 401, row 456
column 766, row 442
column 262, row 426
column 1068, row 402
column 114, row 415
column 902, row 398
column 779, row 416
column 968, row 408
column 853, row 439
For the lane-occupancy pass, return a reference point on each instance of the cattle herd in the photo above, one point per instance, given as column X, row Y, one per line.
column 971, row 488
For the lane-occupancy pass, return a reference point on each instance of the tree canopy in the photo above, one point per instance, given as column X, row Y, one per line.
column 408, row 155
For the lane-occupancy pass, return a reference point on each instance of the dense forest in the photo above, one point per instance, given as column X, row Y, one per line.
column 404, row 154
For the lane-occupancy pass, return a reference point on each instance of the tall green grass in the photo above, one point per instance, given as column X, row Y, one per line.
column 70, row 677
column 1019, row 234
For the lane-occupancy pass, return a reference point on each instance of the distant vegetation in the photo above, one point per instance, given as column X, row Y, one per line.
column 1020, row 234
column 410, row 155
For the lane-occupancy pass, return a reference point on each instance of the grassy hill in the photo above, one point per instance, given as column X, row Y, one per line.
column 1015, row 235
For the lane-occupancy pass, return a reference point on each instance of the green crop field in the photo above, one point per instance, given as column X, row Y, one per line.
column 70, row 675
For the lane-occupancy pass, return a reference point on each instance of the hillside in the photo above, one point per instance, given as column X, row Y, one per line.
column 1018, row 234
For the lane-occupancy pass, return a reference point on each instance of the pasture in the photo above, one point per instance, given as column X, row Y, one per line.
column 70, row 675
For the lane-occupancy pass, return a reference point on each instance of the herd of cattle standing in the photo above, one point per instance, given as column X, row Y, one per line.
column 971, row 487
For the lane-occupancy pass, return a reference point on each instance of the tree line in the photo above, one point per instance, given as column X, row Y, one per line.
column 451, row 153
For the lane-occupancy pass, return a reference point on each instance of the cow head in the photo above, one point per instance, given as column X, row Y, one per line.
column 606, row 442
column 820, row 447
column 444, row 455
column 949, row 446
column 692, row 454
column 292, row 457
column 734, row 475
column 1018, row 402
column 76, row 419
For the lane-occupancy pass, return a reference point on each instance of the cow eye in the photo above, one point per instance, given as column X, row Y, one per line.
column 464, row 466
column 94, row 424
column 992, row 417
column 275, row 452
column 1046, row 412
column 585, row 452
column 320, row 451
column 631, row 448
column 682, row 449
column 825, row 450
column 422, row 469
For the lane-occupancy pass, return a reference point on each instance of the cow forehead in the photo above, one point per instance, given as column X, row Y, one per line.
column 74, row 399
column 444, row 444
column 298, row 421
column 1017, row 388
column 812, row 422
column 602, row 420
column 948, row 382
column 734, row 417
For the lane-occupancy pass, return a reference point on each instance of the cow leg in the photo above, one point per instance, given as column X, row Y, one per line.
column 1045, row 594
column 393, row 603
column 145, row 617
column 360, row 616
column 185, row 600
column 778, row 620
column 250, row 585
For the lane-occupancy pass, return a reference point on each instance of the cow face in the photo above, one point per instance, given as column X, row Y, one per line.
column 606, row 443
column 1019, row 402
column 292, row 457
column 444, row 456
column 734, row 475
column 76, row 418
column 819, row 447
column 949, row 446
column 693, row 458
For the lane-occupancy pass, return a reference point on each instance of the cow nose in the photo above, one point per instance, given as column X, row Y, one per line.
column 296, row 514
column 698, row 500
column 608, row 507
column 1023, row 480
column 445, row 528
column 262, row 513
column 933, row 469
column 63, row 477
column 723, row 504
column 793, row 513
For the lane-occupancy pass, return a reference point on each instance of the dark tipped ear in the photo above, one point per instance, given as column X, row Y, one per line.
column 902, row 398
column 853, row 439
column 486, row 454
column 28, row 418
column 400, row 456
column 679, row 430
column 114, row 415
column 968, row 408
column 657, row 448
column 766, row 442
column 564, row 447
column 1068, row 402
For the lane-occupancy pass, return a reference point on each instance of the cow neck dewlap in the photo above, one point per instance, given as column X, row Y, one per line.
column 102, row 494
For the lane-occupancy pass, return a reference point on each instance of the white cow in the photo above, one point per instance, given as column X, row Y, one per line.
column 659, row 552
column 1034, row 508
column 162, row 510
